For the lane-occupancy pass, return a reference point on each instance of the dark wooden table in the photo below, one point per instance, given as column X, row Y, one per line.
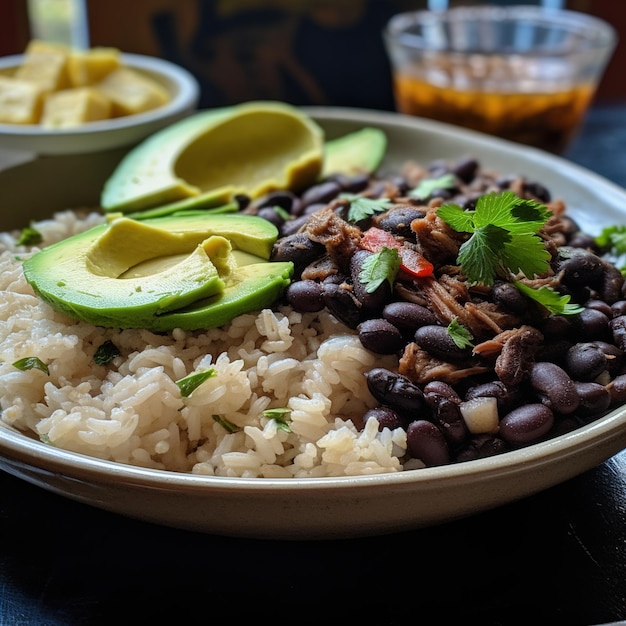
column 555, row 558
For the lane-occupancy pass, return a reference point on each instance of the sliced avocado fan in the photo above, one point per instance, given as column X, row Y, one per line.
column 192, row 271
column 208, row 158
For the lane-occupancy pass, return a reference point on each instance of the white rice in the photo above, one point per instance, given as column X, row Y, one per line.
column 131, row 409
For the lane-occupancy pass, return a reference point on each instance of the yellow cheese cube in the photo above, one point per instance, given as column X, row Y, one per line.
column 91, row 66
column 46, row 65
column 132, row 92
column 72, row 107
column 20, row 101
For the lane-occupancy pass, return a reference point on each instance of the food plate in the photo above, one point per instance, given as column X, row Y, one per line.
column 184, row 94
column 316, row 508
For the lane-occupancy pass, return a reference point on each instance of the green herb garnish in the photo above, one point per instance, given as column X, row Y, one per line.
column 550, row 299
column 612, row 240
column 428, row 185
column 229, row 427
column 105, row 353
column 190, row 383
column 459, row 334
column 503, row 237
column 362, row 208
column 380, row 267
column 280, row 416
column 29, row 237
column 281, row 212
column 31, row 363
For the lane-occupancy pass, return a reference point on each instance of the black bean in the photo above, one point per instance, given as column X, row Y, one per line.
column 291, row 227
column 465, row 169
column 436, row 340
column 614, row 356
column 371, row 300
column 321, row 193
column 340, row 301
column 394, row 390
column 526, row 424
column 273, row 215
column 580, row 268
column 313, row 208
column 284, row 199
column 354, row 183
column 538, row 190
column 305, row 296
column 554, row 350
column 442, row 388
column 600, row 305
column 480, row 447
column 612, row 283
column 556, row 326
column 618, row 330
column 426, row 443
column 398, row 221
column 590, row 324
column 507, row 397
column 386, row 417
column 444, row 403
column 585, row 361
column 380, row 336
column 618, row 308
column 594, row 398
column 617, row 389
column 508, row 296
column 408, row 316
column 298, row 249
column 554, row 387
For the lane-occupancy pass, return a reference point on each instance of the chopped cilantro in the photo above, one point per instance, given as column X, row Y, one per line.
column 550, row 299
column 190, row 383
column 229, row 427
column 31, row 363
column 428, row 185
column 362, row 208
column 380, row 267
column 29, row 237
column 280, row 416
column 281, row 212
column 459, row 334
column 612, row 240
column 503, row 237
column 105, row 353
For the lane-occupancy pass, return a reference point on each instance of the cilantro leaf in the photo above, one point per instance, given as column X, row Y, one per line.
column 280, row 416
column 190, row 383
column 361, row 207
column 614, row 238
column 380, row 267
column 428, row 185
column 459, row 334
column 228, row 426
column 503, row 237
column 29, row 237
column 31, row 363
column 105, row 353
column 550, row 299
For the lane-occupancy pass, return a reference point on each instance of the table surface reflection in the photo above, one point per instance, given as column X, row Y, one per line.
column 555, row 558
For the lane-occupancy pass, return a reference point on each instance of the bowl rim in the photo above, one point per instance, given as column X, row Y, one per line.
column 186, row 97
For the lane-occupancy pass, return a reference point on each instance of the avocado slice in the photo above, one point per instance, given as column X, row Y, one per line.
column 138, row 274
column 359, row 152
column 209, row 157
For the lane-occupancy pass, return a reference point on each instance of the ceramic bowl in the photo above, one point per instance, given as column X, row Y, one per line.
column 98, row 136
column 349, row 506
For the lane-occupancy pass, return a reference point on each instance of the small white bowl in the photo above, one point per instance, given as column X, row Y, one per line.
column 108, row 134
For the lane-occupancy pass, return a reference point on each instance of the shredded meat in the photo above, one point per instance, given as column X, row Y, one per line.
column 516, row 350
column 338, row 236
column 421, row 368
column 438, row 242
column 320, row 270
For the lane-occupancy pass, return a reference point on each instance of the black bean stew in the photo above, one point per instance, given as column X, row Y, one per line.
column 527, row 375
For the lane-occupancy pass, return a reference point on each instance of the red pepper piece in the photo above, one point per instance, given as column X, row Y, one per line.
column 412, row 262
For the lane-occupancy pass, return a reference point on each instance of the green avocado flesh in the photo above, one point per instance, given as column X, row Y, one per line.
column 191, row 271
column 359, row 152
column 205, row 160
